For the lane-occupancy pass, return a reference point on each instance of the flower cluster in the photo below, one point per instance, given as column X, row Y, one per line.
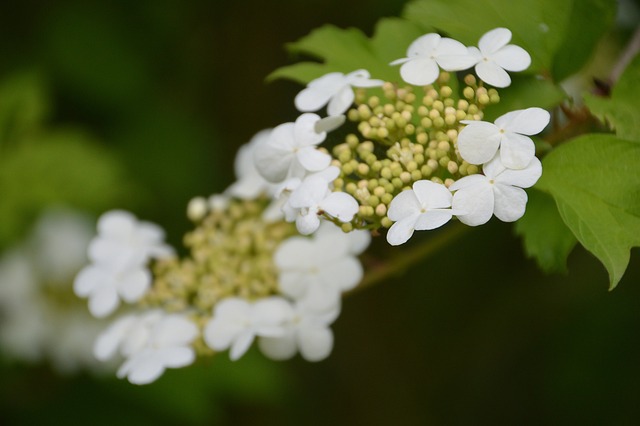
column 270, row 258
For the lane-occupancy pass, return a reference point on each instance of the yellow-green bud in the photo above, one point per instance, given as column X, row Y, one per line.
column 346, row 227
column 468, row 92
column 386, row 222
column 381, row 210
column 452, row 166
column 386, row 198
column 374, row 101
column 416, row 175
column 470, row 80
column 364, row 111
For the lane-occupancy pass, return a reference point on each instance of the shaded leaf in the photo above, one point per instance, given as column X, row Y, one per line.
column 545, row 236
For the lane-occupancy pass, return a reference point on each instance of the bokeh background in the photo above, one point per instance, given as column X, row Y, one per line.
column 142, row 105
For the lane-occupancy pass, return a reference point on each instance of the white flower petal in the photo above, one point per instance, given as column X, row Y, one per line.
column 174, row 330
column 108, row 341
column 528, row 121
column 312, row 159
column 423, row 45
column 433, row 219
column 492, row 73
column 420, row 71
column 307, row 224
column 432, row 195
column 402, row 230
column 523, row 178
column 134, row 284
column 340, row 205
column 468, row 182
column 103, row 301
column 403, row 205
column 279, row 348
column 176, row 357
column 315, row 343
column 456, row 62
column 330, row 123
column 478, row 142
column 241, row 345
column 341, row 101
column 312, row 99
column 293, row 284
column 304, row 130
column 344, row 273
column 477, row 201
column 88, row 279
column 510, row 202
column 516, row 151
column 493, row 40
column 512, row 58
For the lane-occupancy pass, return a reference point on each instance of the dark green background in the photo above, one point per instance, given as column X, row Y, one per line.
column 474, row 335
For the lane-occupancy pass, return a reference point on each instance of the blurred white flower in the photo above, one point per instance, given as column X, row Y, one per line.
column 316, row 270
column 334, row 88
column 120, row 253
column 495, row 56
column 150, row 342
column 290, row 150
column 307, row 331
column 249, row 182
column 236, row 322
column 38, row 320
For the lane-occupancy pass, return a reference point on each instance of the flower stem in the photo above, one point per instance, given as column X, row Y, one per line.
column 377, row 270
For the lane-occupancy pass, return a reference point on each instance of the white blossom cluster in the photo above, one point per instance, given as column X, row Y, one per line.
column 39, row 319
column 287, row 165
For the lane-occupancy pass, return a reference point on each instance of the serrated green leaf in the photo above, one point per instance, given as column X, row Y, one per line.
column 590, row 19
column 545, row 236
column 621, row 110
column 595, row 182
column 537, row 25
column 347, row 50
column 525, row 91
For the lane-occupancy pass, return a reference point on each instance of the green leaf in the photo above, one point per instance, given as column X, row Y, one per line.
column 545, row 236
column 595, row 182
column 621, row 110
column 347, row 50
column 63, row 167
column 590, row 19
column 23, row 107
column 537, row 25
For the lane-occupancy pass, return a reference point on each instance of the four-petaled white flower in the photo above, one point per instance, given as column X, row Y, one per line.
column 105, row 286
column 426, row 206
column 479, row 140
column 290, row 150
column 429, row 51
column 236, row 322
column 119, row 253
column 151, row 343
column 307, row 331
column 499, row 192
column 335, row 89
column 316, row 270
column 495, row 56
column 313, row 197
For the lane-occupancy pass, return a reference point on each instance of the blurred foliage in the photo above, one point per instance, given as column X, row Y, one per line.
column 167, row 92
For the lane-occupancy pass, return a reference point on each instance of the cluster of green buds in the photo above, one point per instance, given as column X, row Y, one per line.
column 405, row 134
column 231, row 254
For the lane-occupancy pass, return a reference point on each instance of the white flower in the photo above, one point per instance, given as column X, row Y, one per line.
column 308, row 332
column 316, row 270
column 151, row 342
column 429, row 51
column 105, row 286
column 250, row 183
column 122, row 241
column 334, row 88
column 426, row 206
column 357, row 240
column 479, row 140
column 495, row 56
column 313, row 197
column 499, row 192
column 291, row 150
column 236, row 322
column 120, row 252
